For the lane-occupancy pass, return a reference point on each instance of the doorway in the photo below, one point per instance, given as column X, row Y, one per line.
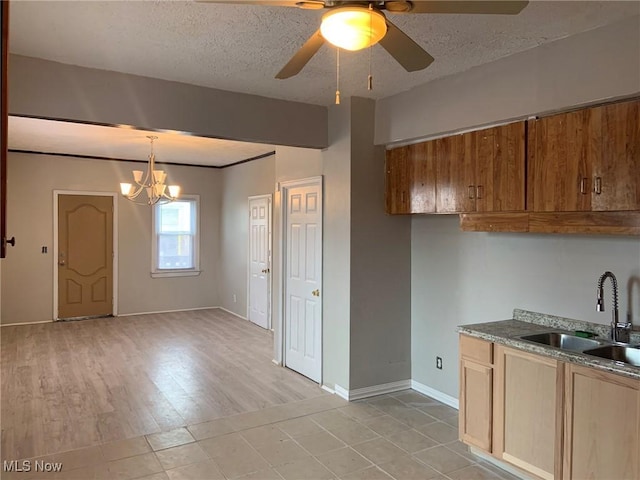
column 259, row 282
column 84, row 262
column 302, row 276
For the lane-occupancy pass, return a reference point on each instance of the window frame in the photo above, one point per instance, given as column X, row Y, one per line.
column 157, row 272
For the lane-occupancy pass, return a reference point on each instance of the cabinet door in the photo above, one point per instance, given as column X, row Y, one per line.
column 602, row 417
column 455, row 173
column 476, row 404
column 476, row 392
column 397, row 181
column 500, row 168
column 561, row 150
column 616, row 174
column 525, row 411
column 423, row 177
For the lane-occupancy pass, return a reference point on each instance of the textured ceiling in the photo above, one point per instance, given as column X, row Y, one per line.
column 241, row 48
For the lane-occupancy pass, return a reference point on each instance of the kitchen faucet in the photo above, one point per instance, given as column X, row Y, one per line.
column 619, row 331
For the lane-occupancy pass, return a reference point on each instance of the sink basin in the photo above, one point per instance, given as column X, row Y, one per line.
column 563, row 341
column 618, row 353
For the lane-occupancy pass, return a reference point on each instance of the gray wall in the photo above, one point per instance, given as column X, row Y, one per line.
column 380, row 350
column 27, row 280
column 238, row 184
column 462, row 277
column 599, row 64
column 336, row 250
column 55, row 90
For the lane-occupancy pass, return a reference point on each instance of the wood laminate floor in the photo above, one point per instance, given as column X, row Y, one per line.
column 69, row 385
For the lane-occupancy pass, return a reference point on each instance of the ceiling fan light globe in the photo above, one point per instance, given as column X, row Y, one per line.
column 353, row 28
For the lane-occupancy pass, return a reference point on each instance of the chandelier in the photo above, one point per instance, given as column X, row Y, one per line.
column 151, row 182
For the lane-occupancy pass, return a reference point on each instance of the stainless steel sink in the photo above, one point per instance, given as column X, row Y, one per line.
column 563, row 341
column 618, row 353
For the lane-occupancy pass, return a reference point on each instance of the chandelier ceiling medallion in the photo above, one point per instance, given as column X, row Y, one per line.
column 152, row 182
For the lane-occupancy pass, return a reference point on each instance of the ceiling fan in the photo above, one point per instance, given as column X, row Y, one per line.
column 354, row 25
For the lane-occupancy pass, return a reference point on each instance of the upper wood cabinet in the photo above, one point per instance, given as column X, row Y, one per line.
column 410, row 179
column 586, row 160
column 477, row 171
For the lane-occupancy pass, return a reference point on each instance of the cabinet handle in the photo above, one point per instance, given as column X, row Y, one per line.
column 598, row 185
column 479, row 192
column 472, row 192
column 583, row 185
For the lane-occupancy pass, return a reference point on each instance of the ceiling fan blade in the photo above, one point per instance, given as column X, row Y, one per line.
column 407, row 52
column 497, row 7
column 302, row 56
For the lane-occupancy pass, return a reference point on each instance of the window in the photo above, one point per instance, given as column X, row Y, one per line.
column 176, row 238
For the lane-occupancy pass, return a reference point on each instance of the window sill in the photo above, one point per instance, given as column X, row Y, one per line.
column 176, row 273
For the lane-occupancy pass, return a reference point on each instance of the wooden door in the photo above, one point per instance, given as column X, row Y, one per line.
column 397, row 181
column 561, row 151
column 616, row 173
column 85, row 256
column 500, row 168
column 602, row 418
column 303, row 280
column 4, row 63
column 525, row 411
column 456, row 191
column 259, row 260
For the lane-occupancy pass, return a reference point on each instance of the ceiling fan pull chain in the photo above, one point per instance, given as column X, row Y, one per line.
column 338, row 76
column 370, row 77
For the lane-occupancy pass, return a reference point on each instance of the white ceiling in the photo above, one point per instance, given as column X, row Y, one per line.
column 241, row 47
column 49, row 136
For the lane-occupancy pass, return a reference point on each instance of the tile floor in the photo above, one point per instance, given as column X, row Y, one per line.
column 403, row 435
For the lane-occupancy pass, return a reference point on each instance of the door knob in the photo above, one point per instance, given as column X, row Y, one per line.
column 11, row 241
column 315, row 293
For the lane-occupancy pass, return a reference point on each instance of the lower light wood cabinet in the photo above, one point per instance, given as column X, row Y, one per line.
column 525, row 411
column 602, row 425
column 550, row 419
column 476, row 397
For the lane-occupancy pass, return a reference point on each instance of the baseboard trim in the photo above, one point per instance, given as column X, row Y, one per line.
column 233, row 313
column 25, row 323
column 327, row 389
column 166, row 311
column 366, row 392
column 341, row 392
column 437, row 394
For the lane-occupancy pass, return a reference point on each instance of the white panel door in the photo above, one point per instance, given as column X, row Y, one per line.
column 259, row 259
column 303, row 280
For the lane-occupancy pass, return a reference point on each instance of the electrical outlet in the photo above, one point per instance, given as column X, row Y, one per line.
column 439, row 363
column 235, row 299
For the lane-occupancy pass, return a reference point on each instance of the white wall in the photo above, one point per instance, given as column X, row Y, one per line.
column 596, row 65
column 463, row 277
column 27, row 280
column 239, row 182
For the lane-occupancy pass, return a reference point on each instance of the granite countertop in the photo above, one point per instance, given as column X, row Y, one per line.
column 506, row 332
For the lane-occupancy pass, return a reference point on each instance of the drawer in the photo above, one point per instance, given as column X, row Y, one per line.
column 475, row 349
